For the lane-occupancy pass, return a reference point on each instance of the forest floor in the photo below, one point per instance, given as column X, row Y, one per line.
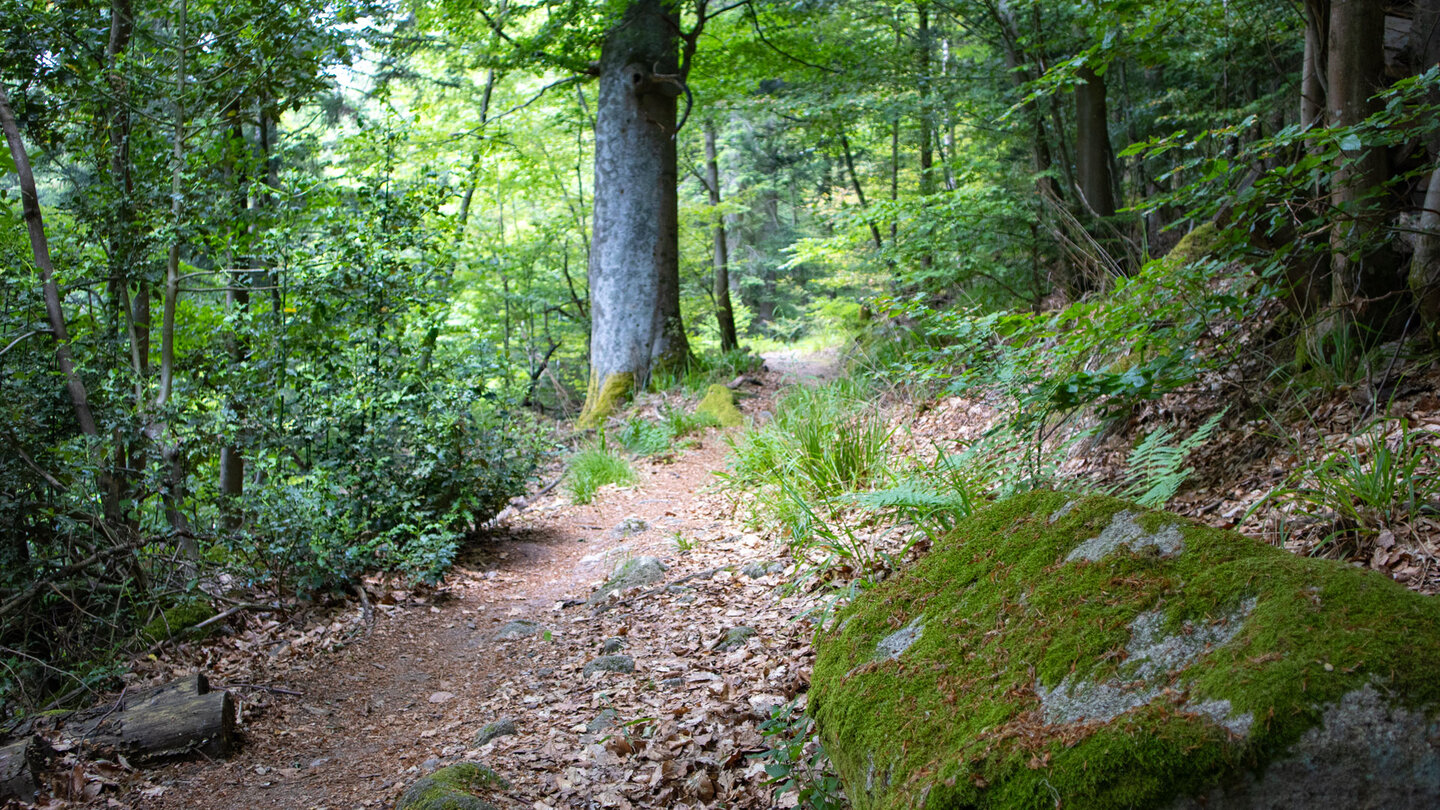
column 338, row 717
column 346, row 705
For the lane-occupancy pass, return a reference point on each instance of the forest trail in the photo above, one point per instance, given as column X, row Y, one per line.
column 371, row 719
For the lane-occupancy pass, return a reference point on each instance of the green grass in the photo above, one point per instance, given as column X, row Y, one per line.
column 826, row 441
column 1360, row 494
column 594, row 467
column 641, row 437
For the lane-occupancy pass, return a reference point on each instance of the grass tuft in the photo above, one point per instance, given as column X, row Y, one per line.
column 594, row 467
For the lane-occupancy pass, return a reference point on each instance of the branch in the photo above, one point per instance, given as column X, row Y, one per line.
column 755, row 24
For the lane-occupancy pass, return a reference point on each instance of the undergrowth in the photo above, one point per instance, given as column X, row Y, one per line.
column 594, row 467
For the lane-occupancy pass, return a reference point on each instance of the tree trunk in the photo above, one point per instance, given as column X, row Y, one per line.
column 1312, row 70
column 635, row 325
column 927, row 141
column 855, row 183
column 20, row 762
column 237, row 299
column 178, row 719
column 724, row 312
column 1092, row 144
column 1361, row 271
column 40, row 247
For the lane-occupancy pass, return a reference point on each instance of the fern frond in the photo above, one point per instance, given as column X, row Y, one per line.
column 1154, row 469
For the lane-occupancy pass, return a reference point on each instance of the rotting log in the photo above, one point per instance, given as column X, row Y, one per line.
column 175, row 719
column 19, row 762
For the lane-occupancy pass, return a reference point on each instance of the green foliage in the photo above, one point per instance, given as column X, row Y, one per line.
column 680, row 423
column 1385, row 483
column 1153, row 471
column 594, row 467
column 641, row 437
column 796, row 761
column 825, row 440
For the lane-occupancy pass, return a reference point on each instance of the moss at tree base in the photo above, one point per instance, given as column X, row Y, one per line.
column 603, row 398
column 1087, row 652
column 719, row 402
column 453, row 788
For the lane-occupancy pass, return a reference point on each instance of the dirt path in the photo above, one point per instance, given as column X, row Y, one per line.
column 681, row 730
column 796, row 366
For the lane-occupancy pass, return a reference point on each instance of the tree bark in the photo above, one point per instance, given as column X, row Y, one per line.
column 1092, row 144
column 1312, row 70
column 724, row 312
column 927, row 141
column 20, row 762
column 1355, row 73
column 178, row 719
column 635, row 326
column 855, row 183
column 237, row 300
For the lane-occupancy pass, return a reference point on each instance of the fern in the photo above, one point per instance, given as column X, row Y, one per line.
column 1154, row 471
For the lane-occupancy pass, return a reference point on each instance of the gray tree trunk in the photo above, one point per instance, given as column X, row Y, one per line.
column 635, row 325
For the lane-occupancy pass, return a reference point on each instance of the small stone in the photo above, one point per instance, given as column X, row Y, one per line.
column 520, row 628
column 636, row 572
column 629, row 527
column 610, row 646
column 609, row 663
column 607, row 718
column 673, row 683
column 754, row 570
column 504, row 727
column 735, row 638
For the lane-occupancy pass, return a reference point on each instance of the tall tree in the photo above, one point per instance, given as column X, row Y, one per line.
column 724, row 312
column 635, row 254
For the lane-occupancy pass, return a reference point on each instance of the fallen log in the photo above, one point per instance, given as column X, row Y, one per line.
column 175, row 719
column 19, row 762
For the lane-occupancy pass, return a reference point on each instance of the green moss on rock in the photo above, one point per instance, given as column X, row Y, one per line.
column 719, row 403
column 1199, row 243
column 603, row 398
column 1026, row 661
column 453, row 788
column 176, row 620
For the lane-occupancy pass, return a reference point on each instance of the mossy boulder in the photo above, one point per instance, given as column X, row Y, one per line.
column 719, row 403
column 176, row 620
column 1058, row 650
column 462, row 786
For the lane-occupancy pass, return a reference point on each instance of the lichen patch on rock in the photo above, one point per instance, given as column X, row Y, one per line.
column 893, row 645
column 1124, row 531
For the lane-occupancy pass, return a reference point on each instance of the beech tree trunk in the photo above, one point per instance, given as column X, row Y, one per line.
column 724, row 312
column 635, row 325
